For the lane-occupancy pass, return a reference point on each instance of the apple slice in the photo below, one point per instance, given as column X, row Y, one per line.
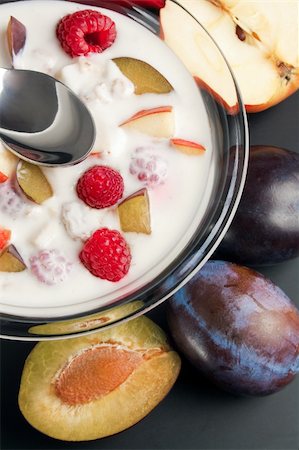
column 258, row 38
column 145, row 77
column 157, row 122
column 8, row 164
column 16, row 36
column 33, row 182
column 187, row 147
column 4, row 237
column 11, row 260
column 3, row 177
column 134, row 213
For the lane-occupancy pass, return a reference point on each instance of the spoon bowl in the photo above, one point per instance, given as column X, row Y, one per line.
column 42, row 121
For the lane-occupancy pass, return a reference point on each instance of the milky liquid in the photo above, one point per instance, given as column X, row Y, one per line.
column 176, row 206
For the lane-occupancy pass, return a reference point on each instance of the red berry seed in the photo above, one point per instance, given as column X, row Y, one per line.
column 100, row 187
column 106, row 255
column 85, row 32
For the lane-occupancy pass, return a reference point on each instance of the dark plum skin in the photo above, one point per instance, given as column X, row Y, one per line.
column 265, row 229
column 237, row 328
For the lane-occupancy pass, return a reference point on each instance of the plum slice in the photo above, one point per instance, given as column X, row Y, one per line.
column 11, row 260
column 33, row 182
column 16, row 36
column 145, row 77
column 134, row 213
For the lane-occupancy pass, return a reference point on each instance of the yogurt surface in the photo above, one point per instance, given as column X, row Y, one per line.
column 63, row 221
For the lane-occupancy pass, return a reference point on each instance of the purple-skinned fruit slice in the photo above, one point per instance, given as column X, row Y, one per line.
column 11, row 260
column 16, row 36
column 134, row 213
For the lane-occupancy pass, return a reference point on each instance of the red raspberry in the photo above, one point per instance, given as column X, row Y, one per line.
column 148, row 167
column 106, row 255
column 50, row 266
column 100, row 187
column 85, row 32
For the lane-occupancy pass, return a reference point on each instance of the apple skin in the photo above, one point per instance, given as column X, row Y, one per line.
column 265, row 229
column 238, row 328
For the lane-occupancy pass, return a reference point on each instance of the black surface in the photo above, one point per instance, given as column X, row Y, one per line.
column 194, row 415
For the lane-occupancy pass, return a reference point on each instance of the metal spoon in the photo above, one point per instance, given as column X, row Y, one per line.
column 41, row 120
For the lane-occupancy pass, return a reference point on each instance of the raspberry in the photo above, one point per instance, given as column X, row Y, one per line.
column 4, row 237
column 148, row 167
column 100, row 187
column 10, row 202
column 85, row 32
column 50, row 266
column 106, row 255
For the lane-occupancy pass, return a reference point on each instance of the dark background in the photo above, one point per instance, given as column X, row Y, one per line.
column 195, row 415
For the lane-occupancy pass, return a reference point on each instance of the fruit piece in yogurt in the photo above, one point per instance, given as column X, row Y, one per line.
column 11, row 260
column 134, row 213
column 3, row 177
column 50, row 266
column 16, row 36
column 158, row 122
column 100, row 187
column 10, row 202
column 95, row 80
column 4, row 237
column 79, row 220
column 145, row 77
column 148, row 167
column 33, row 182
column 85, row 32
column 106, row 255
column 100, row 384
column 187, row 147
column 8, row 163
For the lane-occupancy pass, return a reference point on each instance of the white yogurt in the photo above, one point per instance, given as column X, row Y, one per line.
column 63, row 221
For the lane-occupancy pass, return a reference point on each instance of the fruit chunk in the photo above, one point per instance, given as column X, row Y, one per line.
column 157, row 122
column 85, row 32
column 145, row 77
column 187, row 147
column 8, row 163
column 148, row 167
column 16, row 36
column 100, row 187
column 11, row 260
column 260, row 42
column 3, row 177
column 127, row 369
column 4, row 237
column 265, row 229
column 134, row 213
column 50, row 266
column 237, row 328
column 33, row 182
column 106, row 255
column 10, row 202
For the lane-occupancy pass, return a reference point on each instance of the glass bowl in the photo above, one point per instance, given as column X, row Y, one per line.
column 230, row 149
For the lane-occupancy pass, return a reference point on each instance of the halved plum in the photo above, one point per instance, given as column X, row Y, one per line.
column 97, row 385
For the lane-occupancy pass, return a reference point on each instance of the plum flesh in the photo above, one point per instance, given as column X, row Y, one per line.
column 237, row 328
column 265, row 229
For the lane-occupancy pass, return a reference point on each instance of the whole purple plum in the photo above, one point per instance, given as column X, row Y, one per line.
column 265, row 229
column 237, row 328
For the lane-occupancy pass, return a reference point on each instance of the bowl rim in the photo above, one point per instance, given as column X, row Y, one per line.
column 17, row 327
